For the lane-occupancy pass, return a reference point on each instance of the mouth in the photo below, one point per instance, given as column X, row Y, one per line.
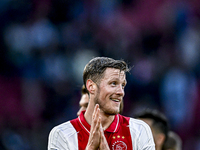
column 115, row 100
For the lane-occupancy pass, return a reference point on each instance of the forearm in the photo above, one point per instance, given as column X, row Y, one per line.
column 91, row 148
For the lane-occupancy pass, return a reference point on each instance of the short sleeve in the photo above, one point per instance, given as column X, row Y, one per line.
column 141, row 135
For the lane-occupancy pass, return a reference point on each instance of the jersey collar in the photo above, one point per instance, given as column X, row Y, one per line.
column 114, row 126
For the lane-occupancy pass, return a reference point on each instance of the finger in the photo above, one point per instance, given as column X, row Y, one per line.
column 94, row 115
column 94, row 123
column 95, row 135
column 95, row 110
column 103, row 142
column 102, row 132
column 103, row 138
column 97, row 122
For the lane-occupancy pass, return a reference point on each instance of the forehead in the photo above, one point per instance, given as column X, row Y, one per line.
column 114, row 73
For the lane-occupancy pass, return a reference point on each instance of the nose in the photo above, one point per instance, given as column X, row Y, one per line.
column 120, row 90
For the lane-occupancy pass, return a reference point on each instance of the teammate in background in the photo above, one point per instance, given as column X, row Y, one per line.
column 83, row 103
column 158, row 124
column 100, row 126
column 173, row 142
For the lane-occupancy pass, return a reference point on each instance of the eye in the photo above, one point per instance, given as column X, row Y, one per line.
column 123, row 85
column 113, row 83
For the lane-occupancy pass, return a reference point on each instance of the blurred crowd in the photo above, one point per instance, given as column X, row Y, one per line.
column 45, row 44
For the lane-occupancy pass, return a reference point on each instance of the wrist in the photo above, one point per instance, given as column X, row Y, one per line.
column 91, row 148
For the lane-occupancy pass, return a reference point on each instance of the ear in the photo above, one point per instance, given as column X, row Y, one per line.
column 160, row 138
column 90, row 86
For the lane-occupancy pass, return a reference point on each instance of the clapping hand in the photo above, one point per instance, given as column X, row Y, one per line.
column 97, row 140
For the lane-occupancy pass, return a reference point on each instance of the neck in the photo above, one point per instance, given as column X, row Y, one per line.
column 107, row 120
column 158, row 148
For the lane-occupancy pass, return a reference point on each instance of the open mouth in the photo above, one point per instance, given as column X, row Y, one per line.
column 115, row 100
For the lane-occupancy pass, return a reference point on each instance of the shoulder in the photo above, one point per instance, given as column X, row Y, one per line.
column 142, row 132
column 133, row 123
column 64, row 130
column 63, row 135
column 137, row 126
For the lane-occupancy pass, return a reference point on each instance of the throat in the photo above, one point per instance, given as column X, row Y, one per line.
column 106, row 121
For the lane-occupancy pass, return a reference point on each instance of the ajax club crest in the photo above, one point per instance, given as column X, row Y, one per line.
column 119, row 145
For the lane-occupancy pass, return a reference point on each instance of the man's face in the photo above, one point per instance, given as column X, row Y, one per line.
column 110, row 91
column 83, row 103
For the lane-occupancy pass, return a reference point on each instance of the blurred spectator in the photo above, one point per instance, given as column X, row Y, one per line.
column 178, row 94
column 81, row 57
column 13, row 141
column 83, row 103
column 173, row 142
column 158, row 123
